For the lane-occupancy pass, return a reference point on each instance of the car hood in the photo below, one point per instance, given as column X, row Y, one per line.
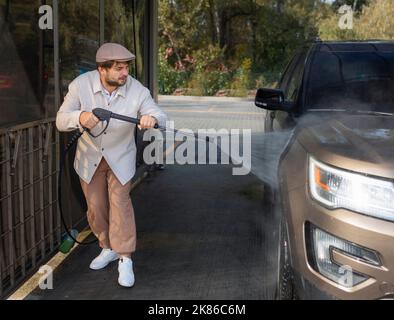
column 360, row 143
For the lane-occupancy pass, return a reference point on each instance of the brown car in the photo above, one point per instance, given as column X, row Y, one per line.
column 335, row 190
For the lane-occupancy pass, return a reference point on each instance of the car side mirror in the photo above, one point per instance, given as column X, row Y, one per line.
column 272, row 99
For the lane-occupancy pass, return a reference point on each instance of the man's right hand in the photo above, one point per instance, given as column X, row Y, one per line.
column 88, row 120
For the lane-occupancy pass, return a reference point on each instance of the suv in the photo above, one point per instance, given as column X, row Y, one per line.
column 335, row 187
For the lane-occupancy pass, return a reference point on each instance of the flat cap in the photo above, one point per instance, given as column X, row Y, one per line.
column 113, row 51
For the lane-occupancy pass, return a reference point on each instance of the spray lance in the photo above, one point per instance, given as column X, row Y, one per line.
column 103, row 115
column 106, row 115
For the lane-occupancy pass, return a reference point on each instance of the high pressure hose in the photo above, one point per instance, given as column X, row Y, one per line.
column 73, row 140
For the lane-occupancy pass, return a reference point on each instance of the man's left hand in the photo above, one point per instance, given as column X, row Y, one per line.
column 147, row 122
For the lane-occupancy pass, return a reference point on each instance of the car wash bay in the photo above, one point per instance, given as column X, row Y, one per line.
column 202, row 232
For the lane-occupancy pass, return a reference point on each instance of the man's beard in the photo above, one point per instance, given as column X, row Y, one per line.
column 113, row 83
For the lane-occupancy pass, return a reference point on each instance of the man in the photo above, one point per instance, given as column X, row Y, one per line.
column 106, row 164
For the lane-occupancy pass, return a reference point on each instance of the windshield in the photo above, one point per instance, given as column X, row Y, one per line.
column 362, row 81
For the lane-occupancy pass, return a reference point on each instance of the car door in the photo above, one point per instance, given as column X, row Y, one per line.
column 290, row 84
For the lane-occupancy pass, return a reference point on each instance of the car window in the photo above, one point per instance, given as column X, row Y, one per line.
column 352, row 81
column 288, row 72
column 295, row 79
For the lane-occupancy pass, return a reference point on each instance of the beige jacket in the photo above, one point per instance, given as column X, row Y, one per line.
column 117, row 144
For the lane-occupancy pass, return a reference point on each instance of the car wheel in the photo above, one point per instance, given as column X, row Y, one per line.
column 285, row 284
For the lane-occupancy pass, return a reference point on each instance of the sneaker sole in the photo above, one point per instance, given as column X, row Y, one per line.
column 126, row 286
column 104, row 265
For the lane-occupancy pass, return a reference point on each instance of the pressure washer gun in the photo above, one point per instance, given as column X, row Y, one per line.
column 106, row 115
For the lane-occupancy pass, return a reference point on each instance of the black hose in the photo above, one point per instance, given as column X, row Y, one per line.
column 73, row 140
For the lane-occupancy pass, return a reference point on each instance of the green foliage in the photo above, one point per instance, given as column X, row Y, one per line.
column 242, row 79
column 208, row 83
column 209, row 75
column 240, row 45
column 169, row 78
column 268, row 79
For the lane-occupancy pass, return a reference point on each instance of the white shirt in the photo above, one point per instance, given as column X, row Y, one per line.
column 107, row 95
column 117, row 143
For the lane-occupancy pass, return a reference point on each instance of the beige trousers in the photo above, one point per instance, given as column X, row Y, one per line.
column 110, row 211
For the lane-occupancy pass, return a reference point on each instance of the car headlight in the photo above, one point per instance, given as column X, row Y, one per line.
column 337, row 188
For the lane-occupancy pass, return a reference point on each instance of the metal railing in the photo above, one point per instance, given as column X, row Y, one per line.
column 30, row 226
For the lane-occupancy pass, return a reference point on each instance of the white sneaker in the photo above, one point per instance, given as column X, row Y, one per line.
column 126, row 274
column 103, row 259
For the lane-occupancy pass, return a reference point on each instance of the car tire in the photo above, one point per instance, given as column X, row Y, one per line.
column 285, row 284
